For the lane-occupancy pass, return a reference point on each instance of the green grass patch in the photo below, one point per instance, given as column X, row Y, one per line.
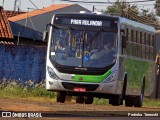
column 21, row 92
column 151, row 102
column 20, row 89
column 101, row 101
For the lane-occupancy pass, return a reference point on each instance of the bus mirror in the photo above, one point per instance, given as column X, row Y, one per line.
column 124, row 41
column 45, row 35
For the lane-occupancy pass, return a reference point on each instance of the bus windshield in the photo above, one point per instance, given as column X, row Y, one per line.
column 81, row 48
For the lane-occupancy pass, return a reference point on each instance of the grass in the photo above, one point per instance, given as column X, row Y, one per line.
column 101, row 101
column 151, row 102
column 25, row 92
column 16, row 89
column 30, row 91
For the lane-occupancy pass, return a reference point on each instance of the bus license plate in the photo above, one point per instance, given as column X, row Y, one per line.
column 77, row 89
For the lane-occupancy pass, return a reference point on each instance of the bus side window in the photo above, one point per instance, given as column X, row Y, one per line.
column 138, row 44
column 129, row 45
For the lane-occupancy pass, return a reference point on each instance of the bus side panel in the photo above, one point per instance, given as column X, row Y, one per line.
column 121, row 73
column 136, row 69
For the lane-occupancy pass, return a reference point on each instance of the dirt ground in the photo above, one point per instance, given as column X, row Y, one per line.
column 8, row 104
column 69, row 109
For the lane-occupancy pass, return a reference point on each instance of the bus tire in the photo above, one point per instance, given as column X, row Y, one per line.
column 89, row 100
column 124, row 89
column 80, row 99
column 61, row 97
column 138, row 100
column 115, row 100
column 129, row 101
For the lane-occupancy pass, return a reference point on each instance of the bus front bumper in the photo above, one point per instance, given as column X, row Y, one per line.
column 69, row 86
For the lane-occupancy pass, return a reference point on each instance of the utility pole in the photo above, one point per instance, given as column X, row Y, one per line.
column 17, row 5
column 93, row 9
column 3, row 3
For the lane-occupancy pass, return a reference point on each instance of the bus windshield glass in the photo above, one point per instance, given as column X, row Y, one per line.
column 81, row 48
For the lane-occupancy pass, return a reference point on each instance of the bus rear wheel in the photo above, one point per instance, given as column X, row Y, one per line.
column 89, row 100
column 129, row 101
column 80, row 99
column 61, row 97
column 138, row 100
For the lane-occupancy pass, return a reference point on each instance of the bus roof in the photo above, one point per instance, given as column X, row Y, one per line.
column 121, row 19
column 137, row 24
column 87, row 14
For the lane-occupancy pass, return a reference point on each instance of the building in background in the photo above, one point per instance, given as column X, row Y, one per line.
column 31, row 25
column 22, row 51
column 5, row 30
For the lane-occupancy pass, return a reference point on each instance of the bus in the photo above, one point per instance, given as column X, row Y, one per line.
column 99, row 55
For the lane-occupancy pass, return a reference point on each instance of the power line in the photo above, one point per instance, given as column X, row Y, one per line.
column 145, row 4
column 110, row 2
column 143, row 19
column 33, row 4
column 140, row 1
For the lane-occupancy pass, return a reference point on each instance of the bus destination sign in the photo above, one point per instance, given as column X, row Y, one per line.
column 86, row 22
column 83, row 22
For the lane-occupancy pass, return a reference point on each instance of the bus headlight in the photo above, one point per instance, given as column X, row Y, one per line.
column 110, row 77
column 52, row 74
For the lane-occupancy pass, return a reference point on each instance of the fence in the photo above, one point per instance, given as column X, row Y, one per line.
column 21, row 62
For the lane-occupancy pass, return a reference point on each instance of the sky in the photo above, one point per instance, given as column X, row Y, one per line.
column 26, row 5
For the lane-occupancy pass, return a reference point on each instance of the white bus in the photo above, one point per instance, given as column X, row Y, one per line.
column 99, row 55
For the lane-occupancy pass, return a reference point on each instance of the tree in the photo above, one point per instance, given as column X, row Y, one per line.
column 115, row 9
column 132, row 12
column 121, row 8
column 157, row 7
column 151, row 15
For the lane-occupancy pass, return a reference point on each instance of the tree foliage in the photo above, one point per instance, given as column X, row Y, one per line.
column 157, row 7
column 121, row 8
column 125, row 10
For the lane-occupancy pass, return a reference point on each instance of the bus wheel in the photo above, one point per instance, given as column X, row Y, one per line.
column 124, row 89
column 138, row 100
column 89, row 100
column 128, row 101
column 61, row 97
column 115, row 100
column 80, row 99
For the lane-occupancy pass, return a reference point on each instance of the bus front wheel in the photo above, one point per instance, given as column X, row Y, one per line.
column 89, row 100
column 61, row 97
column 116, row 100
column 80, row 99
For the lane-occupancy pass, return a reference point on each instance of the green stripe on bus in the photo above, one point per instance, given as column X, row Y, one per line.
column 92, row 78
